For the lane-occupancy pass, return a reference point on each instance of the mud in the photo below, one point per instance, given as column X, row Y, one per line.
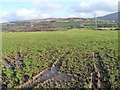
column 47, row 75
column 99, row 77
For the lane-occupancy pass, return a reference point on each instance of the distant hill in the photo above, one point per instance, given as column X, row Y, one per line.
column 55, row 24
column 110, row 17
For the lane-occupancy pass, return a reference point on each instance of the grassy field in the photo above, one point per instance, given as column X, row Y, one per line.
column 88, row 58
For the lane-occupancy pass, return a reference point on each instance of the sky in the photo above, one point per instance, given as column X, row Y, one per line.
column 12, row 10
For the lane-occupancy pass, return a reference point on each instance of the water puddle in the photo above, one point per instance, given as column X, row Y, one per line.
column 46, row 75
column 8, row 65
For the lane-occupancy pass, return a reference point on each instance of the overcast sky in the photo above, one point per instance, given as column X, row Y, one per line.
column 12, row 10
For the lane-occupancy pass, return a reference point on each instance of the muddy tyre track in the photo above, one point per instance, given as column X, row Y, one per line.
column 99, row 76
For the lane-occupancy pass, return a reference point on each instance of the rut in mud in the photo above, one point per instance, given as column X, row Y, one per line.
column 14, row 61
column 99, row 76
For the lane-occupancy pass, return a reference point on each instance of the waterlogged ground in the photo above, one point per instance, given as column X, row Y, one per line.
column 74, row 58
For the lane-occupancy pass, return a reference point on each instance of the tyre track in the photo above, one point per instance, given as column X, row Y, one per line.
column 99, row 76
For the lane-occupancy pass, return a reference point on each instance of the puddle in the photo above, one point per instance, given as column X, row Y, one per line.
column 20, row 63
column 8, row 65
column 47, row 75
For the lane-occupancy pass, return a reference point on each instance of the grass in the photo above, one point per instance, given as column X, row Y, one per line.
column 84, row 49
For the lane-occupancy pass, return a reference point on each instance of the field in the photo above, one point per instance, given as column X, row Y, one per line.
column 73, row 59
column 55, row 25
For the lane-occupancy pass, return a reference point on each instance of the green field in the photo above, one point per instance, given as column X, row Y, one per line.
column 88, row 58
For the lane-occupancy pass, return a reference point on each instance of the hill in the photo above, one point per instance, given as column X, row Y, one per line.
column 55, row 24
column 110, row 17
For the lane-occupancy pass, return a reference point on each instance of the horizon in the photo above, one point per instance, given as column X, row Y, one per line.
column 11, row 10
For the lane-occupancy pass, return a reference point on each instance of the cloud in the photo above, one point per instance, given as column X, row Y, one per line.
column 24, row 14
column 50, row 7
column 55, row 9
column 53, row 6
column 2, row 14
column 97, row 6
column 20, row 14
column 72, row 15
column 27, row 13
column 36, row 3
column 45, row 15
column 101, row 8
column 37, row 10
